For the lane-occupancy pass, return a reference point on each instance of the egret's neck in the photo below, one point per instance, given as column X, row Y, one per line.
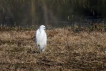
column 41, row 30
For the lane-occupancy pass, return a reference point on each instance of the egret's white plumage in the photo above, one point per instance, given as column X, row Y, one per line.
column 41, row 38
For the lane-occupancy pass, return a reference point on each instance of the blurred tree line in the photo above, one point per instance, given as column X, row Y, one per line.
column 34, row 12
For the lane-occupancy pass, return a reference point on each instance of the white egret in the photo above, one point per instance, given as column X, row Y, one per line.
column 41, row 38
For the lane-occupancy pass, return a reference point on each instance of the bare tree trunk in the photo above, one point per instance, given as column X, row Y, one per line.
column 33, row 11
column 45, row 10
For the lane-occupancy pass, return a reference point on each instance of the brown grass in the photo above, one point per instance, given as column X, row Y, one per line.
column 66, row 51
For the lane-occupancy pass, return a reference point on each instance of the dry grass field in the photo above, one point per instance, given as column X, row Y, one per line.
column 66, row 51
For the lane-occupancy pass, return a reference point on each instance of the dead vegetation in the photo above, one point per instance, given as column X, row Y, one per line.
column 66, row 51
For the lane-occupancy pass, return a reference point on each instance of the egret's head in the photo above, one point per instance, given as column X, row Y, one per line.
column 42, row 27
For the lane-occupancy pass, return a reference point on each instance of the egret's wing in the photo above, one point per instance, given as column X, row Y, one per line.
column 39, row 36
